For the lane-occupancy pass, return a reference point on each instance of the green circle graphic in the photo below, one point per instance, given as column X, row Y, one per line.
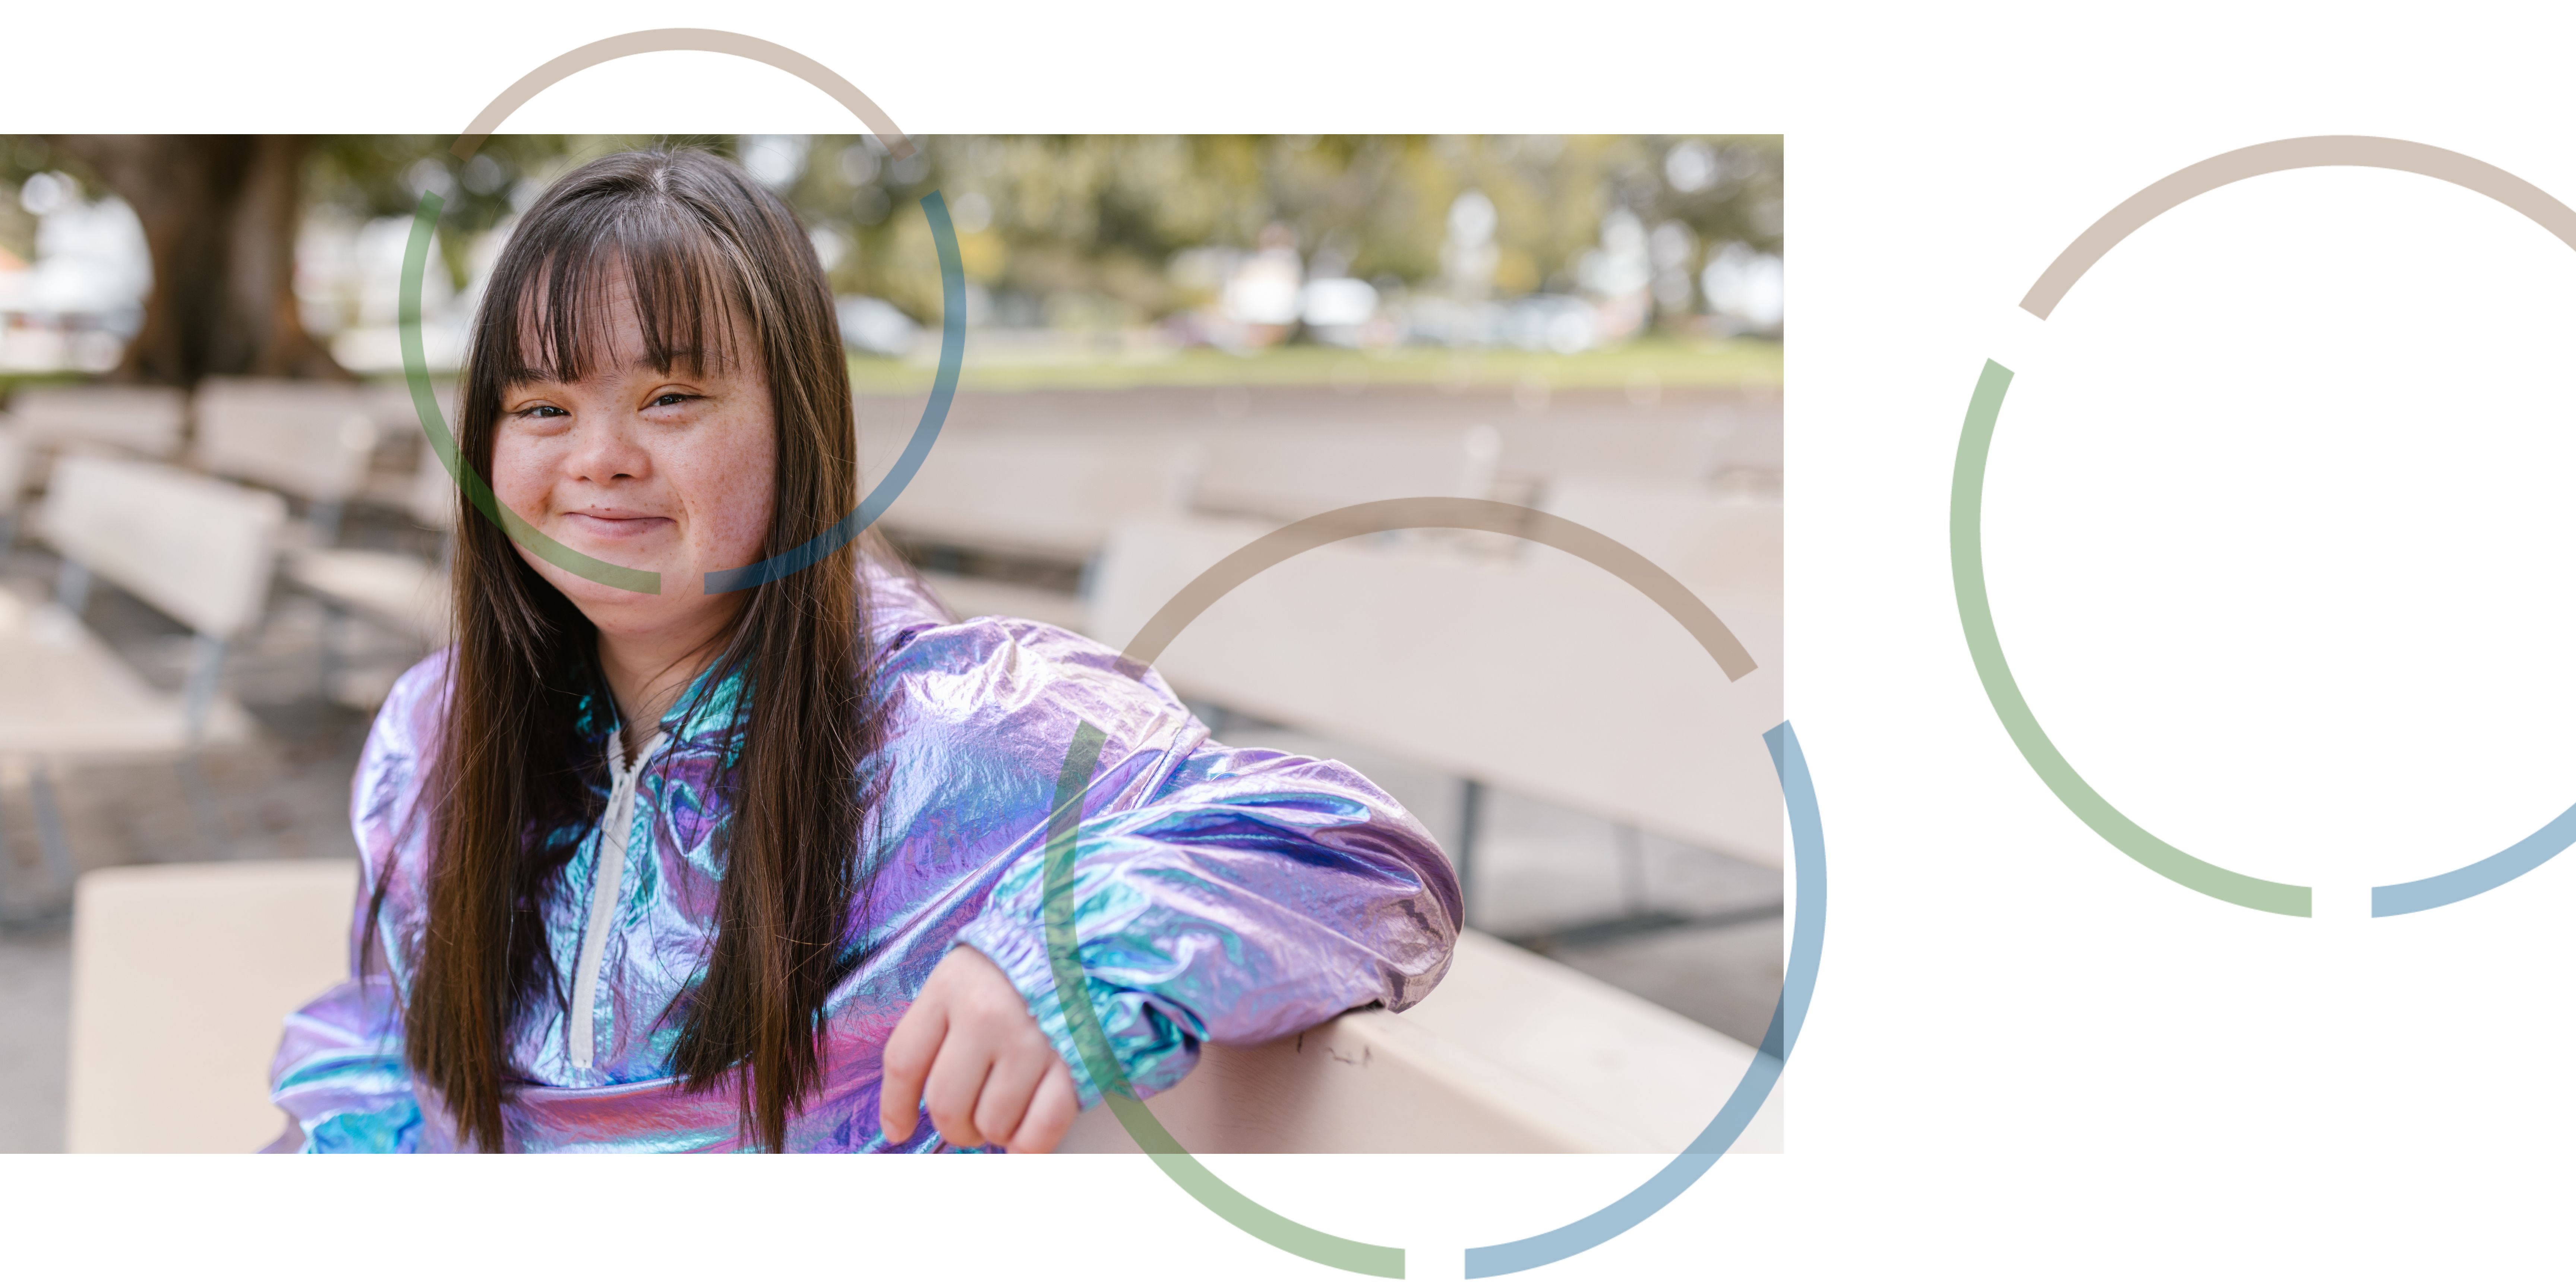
column 1064, row 822
column 1967, row 540
column 1976, row 616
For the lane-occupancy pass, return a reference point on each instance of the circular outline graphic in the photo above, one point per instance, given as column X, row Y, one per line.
column 1967, row 539
column 1797, row 985
column 952, row 323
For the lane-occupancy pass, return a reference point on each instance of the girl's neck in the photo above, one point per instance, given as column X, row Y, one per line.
column 645, row 676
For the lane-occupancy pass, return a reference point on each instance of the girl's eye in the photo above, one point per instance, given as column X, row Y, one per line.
column 543, row 410
column 671, row 400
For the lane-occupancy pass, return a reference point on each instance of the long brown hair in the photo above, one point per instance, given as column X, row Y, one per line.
column 516, row 782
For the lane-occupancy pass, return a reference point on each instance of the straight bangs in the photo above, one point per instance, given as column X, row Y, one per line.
column 690, row 292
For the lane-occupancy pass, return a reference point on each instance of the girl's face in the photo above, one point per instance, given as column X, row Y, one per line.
column 665, row 471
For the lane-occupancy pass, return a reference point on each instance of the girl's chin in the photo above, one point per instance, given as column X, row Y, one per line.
column 679, row 579
column 648, row 618
column 683, row 580
column 590, row 595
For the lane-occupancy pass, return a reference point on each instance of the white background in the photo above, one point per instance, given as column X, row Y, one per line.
column 2280, row 549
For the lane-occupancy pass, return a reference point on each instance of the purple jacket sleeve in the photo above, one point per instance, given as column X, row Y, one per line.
column 340, row 1075
column 339, row 1072
column 1248, row 895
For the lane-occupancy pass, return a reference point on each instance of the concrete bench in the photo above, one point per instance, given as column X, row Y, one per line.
column 1531, row 670
column 183, row 975
column 311, row 440
column 1287, row 475
column 1719, row 546
column 194, row 548
column 1037, row 494
column 404, row 593
column 1511, row 1054
column 197, row 549
column 971, row 597
column 140, row 419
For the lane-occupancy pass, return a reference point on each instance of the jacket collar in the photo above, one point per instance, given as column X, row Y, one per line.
column 700, row 718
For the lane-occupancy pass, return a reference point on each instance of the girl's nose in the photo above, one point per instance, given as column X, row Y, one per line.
column 604, row 451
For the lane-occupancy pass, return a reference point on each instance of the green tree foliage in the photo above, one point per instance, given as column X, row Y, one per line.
column 1101, row 216
column 1093, row 222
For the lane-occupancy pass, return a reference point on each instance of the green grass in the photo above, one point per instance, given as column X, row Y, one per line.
column 1667, row 363
column 12, row 381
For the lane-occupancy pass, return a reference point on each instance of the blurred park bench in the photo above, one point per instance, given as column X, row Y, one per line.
column 137, row 419
column 194, row 548
column 1539, row 673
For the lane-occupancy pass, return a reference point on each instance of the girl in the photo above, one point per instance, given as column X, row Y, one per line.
column 762, row 869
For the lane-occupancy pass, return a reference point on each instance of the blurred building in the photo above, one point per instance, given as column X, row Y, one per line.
column 76, row 297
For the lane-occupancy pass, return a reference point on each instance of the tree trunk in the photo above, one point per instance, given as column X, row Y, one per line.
column 219, row 212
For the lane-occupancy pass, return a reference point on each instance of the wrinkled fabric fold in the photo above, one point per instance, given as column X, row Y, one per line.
column 1221, row 894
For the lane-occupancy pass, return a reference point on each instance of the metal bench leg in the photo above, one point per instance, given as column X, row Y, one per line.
column 8, row 861
column 52, row 839
column 1632, row 867
column 201, row 805
column 71, row 587
column 205, row 674
column 1471, row 812
column 324, row 518
column 1213, row 716
column 334, row 630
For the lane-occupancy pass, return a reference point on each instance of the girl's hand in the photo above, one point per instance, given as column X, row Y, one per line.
column 969, row 1048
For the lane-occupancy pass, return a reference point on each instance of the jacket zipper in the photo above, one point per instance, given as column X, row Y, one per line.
column 608, row 880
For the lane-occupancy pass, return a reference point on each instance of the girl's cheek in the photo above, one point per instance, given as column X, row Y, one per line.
column 740, row 521
column 731, row 490
column 519, row 477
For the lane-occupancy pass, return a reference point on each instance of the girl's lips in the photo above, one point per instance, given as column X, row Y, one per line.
column 613, row 528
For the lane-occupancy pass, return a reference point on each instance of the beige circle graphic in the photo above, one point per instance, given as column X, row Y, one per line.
column 2367, row 151
column 694, row 39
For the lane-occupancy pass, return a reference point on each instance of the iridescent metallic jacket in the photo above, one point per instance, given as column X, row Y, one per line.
column 1225, row 895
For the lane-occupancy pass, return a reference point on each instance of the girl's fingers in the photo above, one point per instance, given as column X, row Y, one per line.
column 909, row 1052
column 1008, row 1088
column 969, row 1053
column 956, row 1079
column 1051, row 1112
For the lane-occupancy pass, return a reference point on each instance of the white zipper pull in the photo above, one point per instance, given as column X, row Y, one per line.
column 608, row 879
